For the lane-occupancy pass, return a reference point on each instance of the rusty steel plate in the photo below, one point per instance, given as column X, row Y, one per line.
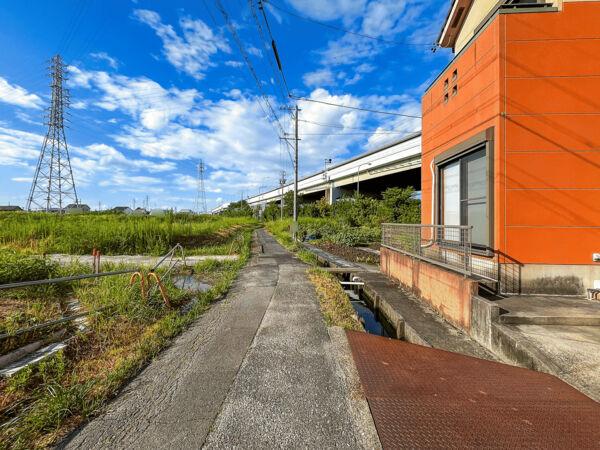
column 427, row 398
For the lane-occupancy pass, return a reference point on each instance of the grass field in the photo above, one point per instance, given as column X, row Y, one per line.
column 42, row 403
column 114, row 234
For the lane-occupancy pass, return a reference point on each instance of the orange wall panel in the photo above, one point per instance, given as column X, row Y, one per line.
column 553, row 58
column 554, row 208
column 535, row 78
column 546, row 170
column 553, row 95
column 568, row 132
column 574, row 22
column 550, row 245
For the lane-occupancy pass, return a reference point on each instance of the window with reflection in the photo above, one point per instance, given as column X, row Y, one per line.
column 464, row 194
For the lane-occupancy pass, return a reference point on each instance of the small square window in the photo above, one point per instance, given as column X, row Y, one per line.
column 446, row 98
column 446, row 83
column 454, row 90
column 455, row 75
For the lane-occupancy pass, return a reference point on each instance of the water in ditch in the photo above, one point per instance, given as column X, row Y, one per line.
column 368, row 317
column 190, row 283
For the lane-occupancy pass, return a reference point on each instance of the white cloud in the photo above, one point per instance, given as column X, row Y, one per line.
column 347, row 10
column 80, row 104
column 254, row 51
column 141, row 98
column 192, row 52
column 17, row 147
column 24, row 117
column 19, row 96
column 234, row 63
column 392, row 20
column 99, row 162
column 319, row 78
column 103, row 56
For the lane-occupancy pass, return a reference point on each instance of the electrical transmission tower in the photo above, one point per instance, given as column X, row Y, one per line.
column 201, row 194
column 53, row 185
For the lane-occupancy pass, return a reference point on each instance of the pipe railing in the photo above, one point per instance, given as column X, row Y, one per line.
column 449, row 246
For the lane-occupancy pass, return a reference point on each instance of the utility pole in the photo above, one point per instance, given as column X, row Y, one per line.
column 296, row 175
column 296, row 139
column 53, row 185
column 281, row 185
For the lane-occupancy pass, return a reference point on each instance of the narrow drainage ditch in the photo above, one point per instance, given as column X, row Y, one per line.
column 373, row 322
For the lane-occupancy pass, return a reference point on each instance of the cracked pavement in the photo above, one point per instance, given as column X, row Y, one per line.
column 258, row 370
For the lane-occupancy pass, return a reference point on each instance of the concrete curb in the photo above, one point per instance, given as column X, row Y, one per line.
column 358, row 405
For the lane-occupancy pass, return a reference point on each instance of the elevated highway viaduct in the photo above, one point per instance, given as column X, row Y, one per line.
column 398, row 164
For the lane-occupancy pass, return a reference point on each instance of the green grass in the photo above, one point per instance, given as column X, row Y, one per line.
column 325, row 229
column 335, row 304
column 52, row 398
column 114, row 233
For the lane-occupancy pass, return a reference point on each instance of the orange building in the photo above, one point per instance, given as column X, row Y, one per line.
column 511, row 139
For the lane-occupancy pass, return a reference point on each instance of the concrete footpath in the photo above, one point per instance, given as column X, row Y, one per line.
column 258, row 370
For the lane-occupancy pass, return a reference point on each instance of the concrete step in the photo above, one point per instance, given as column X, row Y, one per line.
column 517, row 319
column 547, row 310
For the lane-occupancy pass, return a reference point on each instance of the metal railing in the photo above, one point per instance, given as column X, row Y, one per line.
column 172, row 263
column 449, row 246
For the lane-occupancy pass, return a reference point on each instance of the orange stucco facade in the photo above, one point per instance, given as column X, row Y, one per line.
column 532, row 80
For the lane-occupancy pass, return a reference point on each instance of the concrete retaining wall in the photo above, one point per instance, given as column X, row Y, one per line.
column 448, row 292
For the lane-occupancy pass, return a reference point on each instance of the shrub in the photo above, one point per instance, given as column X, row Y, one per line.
column 18, row 267
column 398, row 205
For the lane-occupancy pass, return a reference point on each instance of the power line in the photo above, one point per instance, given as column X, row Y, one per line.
column 246, row 59
column 273, row 46
column 351, row 134
column 264, row 39
column 354, row 107
column 341, row 127
column 345, row 30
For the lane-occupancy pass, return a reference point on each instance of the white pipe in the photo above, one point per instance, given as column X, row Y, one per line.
column 432, row 193
column 432, row 241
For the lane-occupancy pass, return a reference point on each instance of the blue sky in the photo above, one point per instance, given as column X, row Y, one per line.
column 156, row 86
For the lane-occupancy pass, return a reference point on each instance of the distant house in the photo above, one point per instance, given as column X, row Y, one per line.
column 76, row 208
column 10, row 208
column 139, row 212
column 186, row 211
column 122, row 210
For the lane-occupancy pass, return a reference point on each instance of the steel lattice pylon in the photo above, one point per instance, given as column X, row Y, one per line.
column 53, row 185
column 201, row 192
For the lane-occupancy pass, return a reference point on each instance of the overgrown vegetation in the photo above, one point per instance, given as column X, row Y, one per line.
column 238, row 209
column 44, row 402
column 396, row 205
column 351, row 221
column 335, row 305
column 116, row 233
